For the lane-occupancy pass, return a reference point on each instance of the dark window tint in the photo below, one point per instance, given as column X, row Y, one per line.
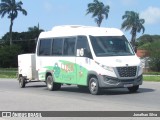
column 45, row 47
column 82, row 42
column 111, row 46
column 57, row 46
column 69, row 46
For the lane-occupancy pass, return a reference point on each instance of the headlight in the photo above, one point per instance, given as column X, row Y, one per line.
column 106, row 67
column 140, row 69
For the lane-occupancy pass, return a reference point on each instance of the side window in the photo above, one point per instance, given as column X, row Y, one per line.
column 57, row 48
column 69, row 46
column 45, row 47
column 82, row 42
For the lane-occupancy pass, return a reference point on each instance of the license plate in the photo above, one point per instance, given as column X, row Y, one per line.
column 128, row 85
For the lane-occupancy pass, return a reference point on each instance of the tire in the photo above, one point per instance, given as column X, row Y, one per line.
column 57, row 86
column 133, row 89
column 94, row 86
column 51, row 85
column 22, row 82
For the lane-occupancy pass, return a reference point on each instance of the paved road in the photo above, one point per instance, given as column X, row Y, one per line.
column 36, row 97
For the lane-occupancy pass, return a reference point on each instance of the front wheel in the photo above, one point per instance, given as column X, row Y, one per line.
column 133, row 89
column 51, row 85
column 94, row 86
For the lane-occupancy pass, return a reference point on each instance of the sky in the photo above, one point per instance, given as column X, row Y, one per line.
column 50, row 13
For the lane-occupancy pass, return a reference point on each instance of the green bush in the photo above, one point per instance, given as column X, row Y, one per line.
column 144, row 46
column 154, row 52
column 8, row 56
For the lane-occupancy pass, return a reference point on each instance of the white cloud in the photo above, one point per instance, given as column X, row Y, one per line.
column 151, row 15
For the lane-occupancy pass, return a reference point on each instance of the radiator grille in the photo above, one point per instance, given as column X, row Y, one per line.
column 127, row 71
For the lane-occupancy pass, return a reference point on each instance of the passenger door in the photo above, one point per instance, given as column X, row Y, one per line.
column 43, row 57
column 83, row 63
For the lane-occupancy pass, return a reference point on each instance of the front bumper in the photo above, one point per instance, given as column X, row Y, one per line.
column 111, row 82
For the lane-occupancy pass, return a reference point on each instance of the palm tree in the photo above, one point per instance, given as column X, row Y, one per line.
column 11, row 7
column 35, row 30
column 98, row 10
column 133, row 22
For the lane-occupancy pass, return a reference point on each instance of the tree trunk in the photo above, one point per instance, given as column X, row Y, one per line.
column 100, row 18
column 133, row 39
column 10, row 31
column 99, row 25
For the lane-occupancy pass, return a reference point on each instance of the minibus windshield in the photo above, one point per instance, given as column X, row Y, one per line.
column 111, row 46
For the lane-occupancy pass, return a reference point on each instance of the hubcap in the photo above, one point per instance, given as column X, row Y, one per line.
column 93, row 86
column 49, row 83
column 20, row 82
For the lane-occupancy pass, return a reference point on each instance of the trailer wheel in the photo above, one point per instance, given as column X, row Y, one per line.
column 94, row 86
column 51, row 85
column 133, row 89
column 22, row 82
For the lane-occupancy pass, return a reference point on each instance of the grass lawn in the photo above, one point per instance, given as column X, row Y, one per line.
column 155, row 78
column 8, row 72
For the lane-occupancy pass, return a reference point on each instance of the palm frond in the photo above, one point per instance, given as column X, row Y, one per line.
column 3, row 13
column 132, row 22
column 98, row 10
column 11, row 7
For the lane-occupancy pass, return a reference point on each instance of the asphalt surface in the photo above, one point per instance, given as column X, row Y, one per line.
column 36, row 97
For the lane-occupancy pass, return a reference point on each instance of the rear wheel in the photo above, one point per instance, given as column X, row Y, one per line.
column 51, row 85
column 94, row 86
column 22, row 82
column 57, row 86
column 133, row 89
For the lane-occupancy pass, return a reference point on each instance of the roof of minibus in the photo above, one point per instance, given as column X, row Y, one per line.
column 74, row 30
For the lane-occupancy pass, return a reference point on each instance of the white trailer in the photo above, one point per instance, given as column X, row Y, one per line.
column 26, row 68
